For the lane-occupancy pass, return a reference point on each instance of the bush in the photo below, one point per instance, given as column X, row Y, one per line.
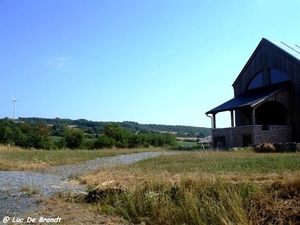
column 104, row 142
column 264, row 147
column 277, row 147
column 287, row 147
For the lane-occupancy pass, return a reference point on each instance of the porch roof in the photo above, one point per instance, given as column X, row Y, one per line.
column 249, row 98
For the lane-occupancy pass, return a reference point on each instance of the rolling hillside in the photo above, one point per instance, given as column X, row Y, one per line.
column 94, row 127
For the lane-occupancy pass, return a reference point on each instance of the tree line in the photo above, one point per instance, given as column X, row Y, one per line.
column 39, row 135
column 95, row 127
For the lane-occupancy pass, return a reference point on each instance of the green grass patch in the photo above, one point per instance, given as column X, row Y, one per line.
column 220, row 162
column 187, row 144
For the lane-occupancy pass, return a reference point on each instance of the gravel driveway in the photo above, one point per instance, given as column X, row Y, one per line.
column 20, row 191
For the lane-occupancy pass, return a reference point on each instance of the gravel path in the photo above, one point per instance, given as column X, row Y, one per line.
column 20, row 191
column 91, row 165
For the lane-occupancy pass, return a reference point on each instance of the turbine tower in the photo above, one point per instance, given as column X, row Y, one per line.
column 14, row 106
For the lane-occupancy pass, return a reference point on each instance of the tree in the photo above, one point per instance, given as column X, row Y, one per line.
column 113, row 130
column 119, row 134
column 34, row 136
column 73, row 138
column 42, row 133
column 104, row 142
column 9, row 130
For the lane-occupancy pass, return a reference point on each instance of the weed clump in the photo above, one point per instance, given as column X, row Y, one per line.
column 277, row 204
column 264, row 147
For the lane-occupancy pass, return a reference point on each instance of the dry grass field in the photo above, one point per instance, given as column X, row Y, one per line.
column 206, row 187
column 203, row 187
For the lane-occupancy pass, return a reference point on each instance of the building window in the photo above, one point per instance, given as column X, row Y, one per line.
column 219, row 141
column 278, row 76
column 247, row 140
column 257, row 81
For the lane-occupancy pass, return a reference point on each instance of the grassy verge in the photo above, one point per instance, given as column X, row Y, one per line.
column 13, row 158
column 201, row 188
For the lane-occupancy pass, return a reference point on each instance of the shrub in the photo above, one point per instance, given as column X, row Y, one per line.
column 104, row 142
column 264, row 147
column 287, row 147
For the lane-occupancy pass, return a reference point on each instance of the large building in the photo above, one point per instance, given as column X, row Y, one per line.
column 266, row 103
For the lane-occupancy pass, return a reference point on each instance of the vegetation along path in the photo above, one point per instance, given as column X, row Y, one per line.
column 20, row 191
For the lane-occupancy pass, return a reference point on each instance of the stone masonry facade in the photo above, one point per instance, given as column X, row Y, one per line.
column 251, row 135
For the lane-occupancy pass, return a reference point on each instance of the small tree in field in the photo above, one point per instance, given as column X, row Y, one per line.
column 73, row 138
column 121, row 135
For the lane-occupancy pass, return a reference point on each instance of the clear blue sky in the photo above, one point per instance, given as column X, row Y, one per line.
column 155, row 61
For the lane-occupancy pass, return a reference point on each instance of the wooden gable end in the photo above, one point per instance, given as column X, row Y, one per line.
column 265, row 57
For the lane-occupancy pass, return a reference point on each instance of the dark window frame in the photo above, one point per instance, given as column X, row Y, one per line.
column 257, row 81
column 277, row 76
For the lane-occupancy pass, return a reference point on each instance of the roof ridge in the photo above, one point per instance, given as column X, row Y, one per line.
column 290, row 47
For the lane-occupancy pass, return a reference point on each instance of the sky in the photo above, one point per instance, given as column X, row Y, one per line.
column 147, row 61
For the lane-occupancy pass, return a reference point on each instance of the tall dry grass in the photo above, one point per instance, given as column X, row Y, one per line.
column 201, row 188
column 191, row 201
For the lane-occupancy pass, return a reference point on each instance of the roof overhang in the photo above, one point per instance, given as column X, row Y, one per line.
column 250, row 98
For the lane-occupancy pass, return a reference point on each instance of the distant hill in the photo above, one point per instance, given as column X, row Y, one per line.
column 94, row 127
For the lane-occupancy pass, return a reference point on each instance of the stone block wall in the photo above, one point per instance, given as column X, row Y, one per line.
column 250, row 135
column 275, row 134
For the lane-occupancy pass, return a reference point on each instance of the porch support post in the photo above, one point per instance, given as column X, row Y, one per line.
column 253, row 116
column 232, row 119
column 214, row 121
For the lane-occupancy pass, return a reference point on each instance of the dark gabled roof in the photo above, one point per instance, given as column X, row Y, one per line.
column 249, row 98
column 291, row 50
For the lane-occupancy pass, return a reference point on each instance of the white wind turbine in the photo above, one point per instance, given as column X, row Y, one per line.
column 14, row 106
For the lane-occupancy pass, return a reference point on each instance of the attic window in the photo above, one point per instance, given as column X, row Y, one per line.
column 277, row 76
column 257, row 81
